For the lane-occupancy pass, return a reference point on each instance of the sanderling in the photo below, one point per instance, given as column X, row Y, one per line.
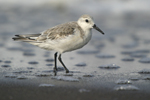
column 63, row 38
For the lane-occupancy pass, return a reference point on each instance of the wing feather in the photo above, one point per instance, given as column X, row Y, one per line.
column 59, row 31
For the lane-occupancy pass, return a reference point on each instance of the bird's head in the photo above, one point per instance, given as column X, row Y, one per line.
column 86, row 22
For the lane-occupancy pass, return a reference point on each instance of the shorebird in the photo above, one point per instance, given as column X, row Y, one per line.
column 63, row 38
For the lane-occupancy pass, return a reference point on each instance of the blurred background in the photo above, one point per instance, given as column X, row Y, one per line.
column 26, row 16
column 126, row 17
column 112, row 16
column 126, row 24
column 130, row 18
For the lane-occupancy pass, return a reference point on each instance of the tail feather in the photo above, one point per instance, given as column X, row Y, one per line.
column 26, row 38
column 28, row 35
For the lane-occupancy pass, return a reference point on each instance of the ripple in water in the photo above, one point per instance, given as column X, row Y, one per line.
column 88, row 52
column 5, row 66
column 126, row 88
column 11, row 76
column 46, row 85
column 137, row 51
column 81, row 64
column 123, row 81
column 131, row 45
column 32, row 62
column 68, row 74
column 128, row 59
column 49, row 64
column 88, row 75
column 103, row 55
column 109, row 66
column 138, row 55
column 144, row 71
column 127, row 52
column 15, row 49
column 43, row 74
column 28, row 54
column 66, row 78
column 19, row 72
column 30, row 68
column 49, row 60
column 83, row 90
column 145, row 60
column 21, row 77
column 146, row 78
column 142, row 51
column 7, row 61
column 47, row 71
column 134, row 79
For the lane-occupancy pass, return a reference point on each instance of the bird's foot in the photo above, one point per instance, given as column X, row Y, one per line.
column 67, row 71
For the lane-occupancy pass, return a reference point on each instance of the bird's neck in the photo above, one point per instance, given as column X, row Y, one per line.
column 87, row 35
column 85, row 31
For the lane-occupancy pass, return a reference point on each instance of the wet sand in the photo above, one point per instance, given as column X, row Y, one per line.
column 112, row 66
column 22, row 92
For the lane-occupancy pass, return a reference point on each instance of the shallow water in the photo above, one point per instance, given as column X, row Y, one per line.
column 120, row 56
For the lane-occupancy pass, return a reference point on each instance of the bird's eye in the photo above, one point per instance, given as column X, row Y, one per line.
column 87, row 20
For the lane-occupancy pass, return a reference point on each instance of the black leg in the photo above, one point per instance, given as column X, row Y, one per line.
column 67, row 71
column 55, row 67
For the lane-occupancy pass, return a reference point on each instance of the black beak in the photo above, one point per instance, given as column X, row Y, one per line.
column 98, row 29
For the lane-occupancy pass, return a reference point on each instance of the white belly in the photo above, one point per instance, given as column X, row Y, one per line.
column 69, row 43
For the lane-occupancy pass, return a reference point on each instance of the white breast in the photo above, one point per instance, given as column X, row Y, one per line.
column 71, row 42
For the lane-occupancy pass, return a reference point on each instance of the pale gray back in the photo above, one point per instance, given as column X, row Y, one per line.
column 60, row 31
